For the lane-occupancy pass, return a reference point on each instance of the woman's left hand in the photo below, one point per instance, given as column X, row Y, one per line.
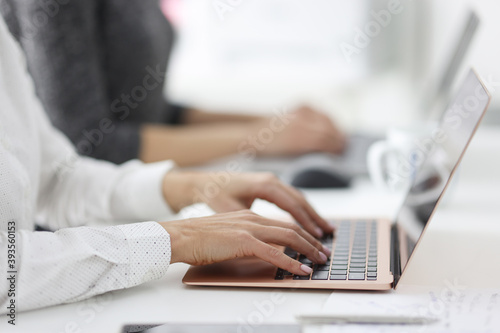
column 225, row 192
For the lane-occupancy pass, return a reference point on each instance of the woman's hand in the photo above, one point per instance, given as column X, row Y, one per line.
column 242, row 234
column 225, row 192
column 308, row 131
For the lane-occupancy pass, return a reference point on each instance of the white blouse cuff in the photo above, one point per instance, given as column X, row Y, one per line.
column 149, row 251
column 139, row 194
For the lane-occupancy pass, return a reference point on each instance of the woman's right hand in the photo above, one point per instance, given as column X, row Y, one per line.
column 239, row 234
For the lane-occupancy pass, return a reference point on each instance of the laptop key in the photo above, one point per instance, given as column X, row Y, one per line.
column 339, row 267
column 371, row 274
column 341, row 258
column 372, row 264
column 372, row 269
column 358, row 260
column 358, row 264
column 339, row 262
column 327, row 237
column 356, row 276
column 305, row 261
column 338, row 277
column 359, row 256
column 279, row 274
column 371, row 278
column 342, row 249
column 291, row 253
column 320, row 275
column 356, row 270
column 300, row 277
column 322, row 267
column 358, row 248
column 338, row 272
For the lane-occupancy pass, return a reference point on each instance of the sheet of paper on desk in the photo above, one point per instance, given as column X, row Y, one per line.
column 457, row 310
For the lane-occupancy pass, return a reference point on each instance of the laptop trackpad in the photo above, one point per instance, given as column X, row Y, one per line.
column 236, row 270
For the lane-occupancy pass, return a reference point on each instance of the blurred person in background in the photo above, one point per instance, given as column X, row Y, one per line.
column 99, row 68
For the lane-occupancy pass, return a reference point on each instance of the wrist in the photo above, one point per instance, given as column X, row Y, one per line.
column 176, row 240
column 154, row 137
column 263, row 135
column 179, row 189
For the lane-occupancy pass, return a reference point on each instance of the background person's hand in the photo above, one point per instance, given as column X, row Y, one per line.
column 240, row 234
column 225, row 192
column 308, row 131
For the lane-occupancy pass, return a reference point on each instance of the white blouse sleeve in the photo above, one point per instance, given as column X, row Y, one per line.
column 77, row 190
column 75, row 262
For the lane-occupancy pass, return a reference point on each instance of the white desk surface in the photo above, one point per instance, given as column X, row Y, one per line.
column 465, row 232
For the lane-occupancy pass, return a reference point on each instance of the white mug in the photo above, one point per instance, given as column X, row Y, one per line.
column 392, row 163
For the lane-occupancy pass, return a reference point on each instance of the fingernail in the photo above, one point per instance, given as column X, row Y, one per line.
column 322, row 256
column 306, row 269
column 327, row 251
column 319, row 232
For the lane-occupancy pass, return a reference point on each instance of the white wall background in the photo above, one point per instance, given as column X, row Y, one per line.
column 262, row 54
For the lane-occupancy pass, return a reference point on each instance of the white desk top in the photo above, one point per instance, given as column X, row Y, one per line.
column 464, row 232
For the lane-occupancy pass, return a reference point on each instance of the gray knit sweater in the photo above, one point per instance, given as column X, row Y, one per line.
column 98, row 68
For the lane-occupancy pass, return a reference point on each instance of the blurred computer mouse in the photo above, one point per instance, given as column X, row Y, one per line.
column 317, row 170
column 320, row 178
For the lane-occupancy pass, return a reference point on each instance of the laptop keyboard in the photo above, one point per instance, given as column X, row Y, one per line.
column 354, row 255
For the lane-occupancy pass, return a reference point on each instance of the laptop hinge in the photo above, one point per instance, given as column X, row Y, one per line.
column 395, row 256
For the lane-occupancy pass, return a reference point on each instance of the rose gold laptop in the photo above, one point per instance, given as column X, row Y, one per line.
column 372, row 254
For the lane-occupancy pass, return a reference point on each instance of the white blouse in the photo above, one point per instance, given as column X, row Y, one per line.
column 42, row 179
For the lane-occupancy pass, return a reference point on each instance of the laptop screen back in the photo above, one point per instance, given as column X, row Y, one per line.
column 435, row 160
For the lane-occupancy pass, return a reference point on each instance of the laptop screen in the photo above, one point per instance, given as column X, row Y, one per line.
column 435, row 160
